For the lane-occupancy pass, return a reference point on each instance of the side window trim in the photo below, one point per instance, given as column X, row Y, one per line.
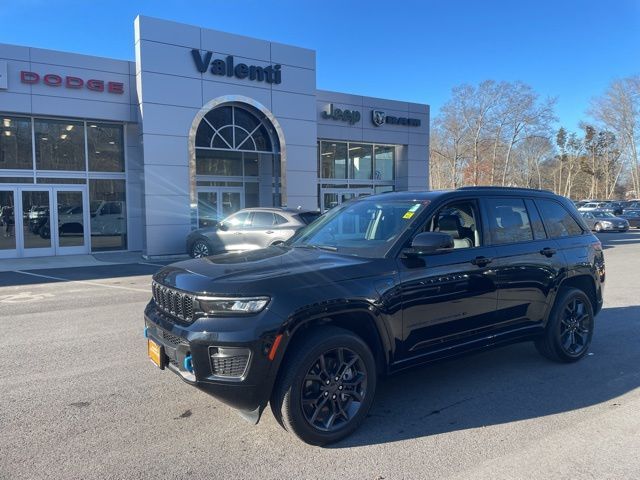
column 532, row 211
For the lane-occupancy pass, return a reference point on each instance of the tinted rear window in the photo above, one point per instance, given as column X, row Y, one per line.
column 557, row 219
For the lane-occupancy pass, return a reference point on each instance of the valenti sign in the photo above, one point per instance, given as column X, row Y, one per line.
column 228, row 68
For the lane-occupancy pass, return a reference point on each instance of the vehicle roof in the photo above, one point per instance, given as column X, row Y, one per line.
column 289, row 210
column 463, row 191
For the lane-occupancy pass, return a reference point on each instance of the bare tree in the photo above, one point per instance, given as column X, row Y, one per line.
column 619, row 110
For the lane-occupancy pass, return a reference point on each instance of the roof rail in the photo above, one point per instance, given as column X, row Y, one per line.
column 493, row 187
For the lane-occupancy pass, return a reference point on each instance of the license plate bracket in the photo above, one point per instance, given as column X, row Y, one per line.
column 156, row 353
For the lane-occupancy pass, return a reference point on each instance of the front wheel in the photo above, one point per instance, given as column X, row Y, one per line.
column 569, row 328
column 326, row 386
column 200, row 248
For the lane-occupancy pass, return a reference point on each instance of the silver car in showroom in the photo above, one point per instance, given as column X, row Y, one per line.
column 248, row 229
column 604, row 221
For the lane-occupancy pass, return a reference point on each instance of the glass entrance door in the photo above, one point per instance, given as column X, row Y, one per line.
column 8, row 243
column 71, row 234
column 332, row 197
column 216, row 203
column 40, row 221
column 35, row 221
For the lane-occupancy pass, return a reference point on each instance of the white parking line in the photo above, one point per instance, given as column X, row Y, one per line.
column 84, row 282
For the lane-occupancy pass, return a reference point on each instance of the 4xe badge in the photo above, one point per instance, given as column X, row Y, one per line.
column 377, row 116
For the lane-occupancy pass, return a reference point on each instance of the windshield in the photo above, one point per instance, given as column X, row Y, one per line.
column 366, row 228
column 603, row 215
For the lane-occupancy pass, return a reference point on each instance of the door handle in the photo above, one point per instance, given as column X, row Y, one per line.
column 237, row 233
column 548, row 252
column 481, row 261
column 269, row 232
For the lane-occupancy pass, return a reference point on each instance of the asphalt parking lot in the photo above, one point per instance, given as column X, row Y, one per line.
column 79, row 399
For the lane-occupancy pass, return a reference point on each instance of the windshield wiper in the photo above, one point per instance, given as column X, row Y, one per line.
column 329, row 248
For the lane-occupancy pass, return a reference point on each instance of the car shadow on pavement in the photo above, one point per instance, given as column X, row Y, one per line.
column 504, row 385
column 61, row 275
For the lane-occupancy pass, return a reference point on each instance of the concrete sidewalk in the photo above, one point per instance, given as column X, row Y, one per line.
column 71, row 261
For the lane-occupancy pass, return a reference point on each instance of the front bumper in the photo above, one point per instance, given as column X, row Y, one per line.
column 247, row 389
column 615, row 228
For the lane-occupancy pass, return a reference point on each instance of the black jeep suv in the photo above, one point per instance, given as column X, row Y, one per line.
column 374, row 286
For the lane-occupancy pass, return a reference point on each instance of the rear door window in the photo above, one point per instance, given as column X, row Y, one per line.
column 508, row 221
column 262, row 219
column 557, row 219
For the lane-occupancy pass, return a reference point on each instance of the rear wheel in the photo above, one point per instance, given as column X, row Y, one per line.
column 200, row 248
column 326, row 387
column 569, row 328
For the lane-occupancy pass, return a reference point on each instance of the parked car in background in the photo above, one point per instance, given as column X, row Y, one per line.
column 616, row 207
column 590, row 206
column 604, row 221
column 633, row 217
column 248, row 229
column 632, row 205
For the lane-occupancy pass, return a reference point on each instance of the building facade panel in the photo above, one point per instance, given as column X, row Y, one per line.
column 134, row 155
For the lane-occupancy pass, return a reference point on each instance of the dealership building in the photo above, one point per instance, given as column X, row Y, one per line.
column 98, row 154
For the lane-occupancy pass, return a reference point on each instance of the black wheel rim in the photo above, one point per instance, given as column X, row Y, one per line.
column 575, row 327
column 334, row 389
column 200, row 249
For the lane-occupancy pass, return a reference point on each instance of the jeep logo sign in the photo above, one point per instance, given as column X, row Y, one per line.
column 226, row 67
column 349, row 116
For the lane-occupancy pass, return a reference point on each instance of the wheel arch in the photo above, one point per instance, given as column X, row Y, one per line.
column 362, row 322
column 586, row 284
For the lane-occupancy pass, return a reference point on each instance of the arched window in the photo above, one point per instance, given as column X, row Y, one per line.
column 237, row 162
column 235, row 128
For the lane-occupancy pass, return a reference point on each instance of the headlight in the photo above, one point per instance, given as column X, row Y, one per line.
column 606, row 224
column 232, row 305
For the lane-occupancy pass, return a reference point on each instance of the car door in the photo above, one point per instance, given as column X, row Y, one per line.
column 450, row 297
column 261, row 231
column 528, row 263
column 230, row 234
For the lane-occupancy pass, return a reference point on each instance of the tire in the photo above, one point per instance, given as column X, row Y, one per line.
column 201, row 248
column 569, row 329
column 598, row 227
column 302, row 377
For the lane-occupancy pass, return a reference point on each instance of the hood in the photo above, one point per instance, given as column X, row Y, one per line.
column 265, row 270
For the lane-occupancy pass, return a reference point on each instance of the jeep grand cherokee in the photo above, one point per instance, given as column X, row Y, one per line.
column 375, row 286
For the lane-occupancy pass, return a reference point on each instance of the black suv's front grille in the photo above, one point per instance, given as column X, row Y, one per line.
column 171, row 338
column 173, row 302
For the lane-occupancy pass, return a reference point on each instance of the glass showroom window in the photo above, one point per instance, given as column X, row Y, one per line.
column 384, row 162
column 105, row 146
column 107, row 203
column 360, row 161
column 59, row 145
column 15, row 143
column 333, row 163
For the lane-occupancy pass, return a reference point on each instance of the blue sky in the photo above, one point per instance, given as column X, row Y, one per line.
column 406, row 50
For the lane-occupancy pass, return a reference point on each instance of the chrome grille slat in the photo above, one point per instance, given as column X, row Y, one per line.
column 173, row 302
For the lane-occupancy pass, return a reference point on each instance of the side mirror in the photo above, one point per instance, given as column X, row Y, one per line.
column 222, row 226
column 426, row 243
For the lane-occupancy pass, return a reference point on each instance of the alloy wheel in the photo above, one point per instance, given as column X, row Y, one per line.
column 200, row 249
column 575, row 327
column 333, row 390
